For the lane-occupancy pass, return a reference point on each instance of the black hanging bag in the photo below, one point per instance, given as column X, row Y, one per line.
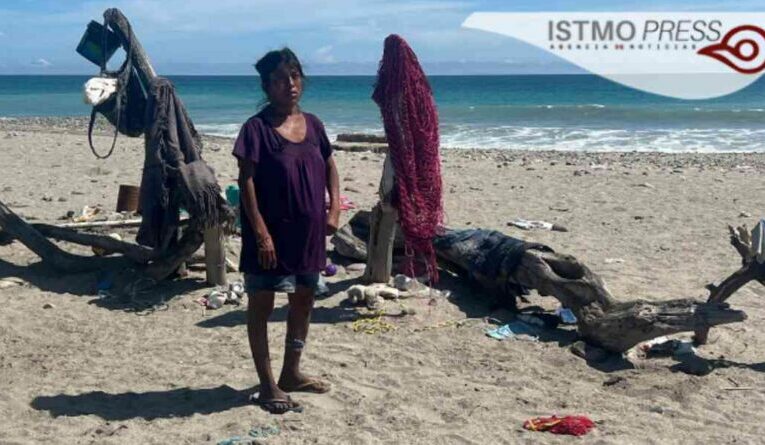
column 126, row 108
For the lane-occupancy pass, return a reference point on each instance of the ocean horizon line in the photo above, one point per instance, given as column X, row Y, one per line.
column 311, row 75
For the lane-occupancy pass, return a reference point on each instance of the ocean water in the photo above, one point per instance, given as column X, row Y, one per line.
column 533, row 112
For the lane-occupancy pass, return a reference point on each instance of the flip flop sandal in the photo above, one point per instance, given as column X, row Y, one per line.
column 277, row 406
column 311, row 386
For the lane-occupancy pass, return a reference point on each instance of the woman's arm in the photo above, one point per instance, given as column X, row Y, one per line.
column 333, row 187
column 266, row 250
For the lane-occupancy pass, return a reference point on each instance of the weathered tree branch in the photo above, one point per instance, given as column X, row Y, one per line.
column 45, row 249
column 158, row 268
column 601, row 319
column 135, row 252
column 606, row 322
column 163, row 267
column 750, row 270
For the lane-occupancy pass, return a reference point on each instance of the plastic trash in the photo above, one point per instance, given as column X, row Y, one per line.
column 237, row 288
column 664, row 347
column 98, row 90
column 516, row 330
column 330, row 270
column 404, row 283
column 232, row 196
column 565, row 315
column 216, row 299
column 541, row 225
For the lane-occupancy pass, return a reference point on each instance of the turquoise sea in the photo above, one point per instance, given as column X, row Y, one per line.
column 535, row 112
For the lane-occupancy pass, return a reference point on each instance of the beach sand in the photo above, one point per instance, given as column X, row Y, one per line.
column 651, row 225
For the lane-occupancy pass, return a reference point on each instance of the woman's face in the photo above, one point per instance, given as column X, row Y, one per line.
column 285, row 86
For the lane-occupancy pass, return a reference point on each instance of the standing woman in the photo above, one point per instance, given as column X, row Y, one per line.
column 285, row 166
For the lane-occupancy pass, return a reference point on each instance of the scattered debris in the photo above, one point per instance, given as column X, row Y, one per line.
column 515, row 330
column 565, row 315
column 664, row 347
column 88, row 213
column 404, row 283
column 330, row 270
column 614, row 261
column 236, row 291
column 569, row 425
column 374, row 325
column 218, row 297
column 346, row 203
column 542, row 225
column 254, row 436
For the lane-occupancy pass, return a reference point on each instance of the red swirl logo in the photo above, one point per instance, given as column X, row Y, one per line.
column 741, row 49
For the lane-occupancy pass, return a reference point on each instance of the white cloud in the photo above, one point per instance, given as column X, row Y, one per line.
column 41, row 63
column 324, row 55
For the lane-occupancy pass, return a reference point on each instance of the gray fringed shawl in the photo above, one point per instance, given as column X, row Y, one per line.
column 174, row 173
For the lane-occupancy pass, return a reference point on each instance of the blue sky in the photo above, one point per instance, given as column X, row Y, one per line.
column 330, row 36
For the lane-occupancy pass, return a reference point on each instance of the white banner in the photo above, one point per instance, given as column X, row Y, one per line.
column 678, row 54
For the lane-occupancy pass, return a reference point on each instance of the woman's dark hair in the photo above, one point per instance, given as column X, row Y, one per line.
column 271, row 61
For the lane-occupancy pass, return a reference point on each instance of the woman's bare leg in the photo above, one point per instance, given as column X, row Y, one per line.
column 298, row 320
column 260, row 305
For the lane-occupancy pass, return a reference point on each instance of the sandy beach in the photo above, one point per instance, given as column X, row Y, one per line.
column 75, row 368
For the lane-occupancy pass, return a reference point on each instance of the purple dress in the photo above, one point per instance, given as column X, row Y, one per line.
column 290, row 182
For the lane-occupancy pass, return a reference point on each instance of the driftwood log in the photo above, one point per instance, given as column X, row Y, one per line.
column 751, row 270
column 135, row 252
column 137, row 262
column 18, row 229
column 602, row 320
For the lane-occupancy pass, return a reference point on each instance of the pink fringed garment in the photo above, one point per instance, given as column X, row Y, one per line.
column 410, row 119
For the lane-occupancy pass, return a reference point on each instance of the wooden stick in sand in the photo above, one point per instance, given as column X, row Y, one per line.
column 382, row 231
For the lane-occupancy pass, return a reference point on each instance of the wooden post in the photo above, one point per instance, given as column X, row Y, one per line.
column 215, row 256
column 382, row 231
